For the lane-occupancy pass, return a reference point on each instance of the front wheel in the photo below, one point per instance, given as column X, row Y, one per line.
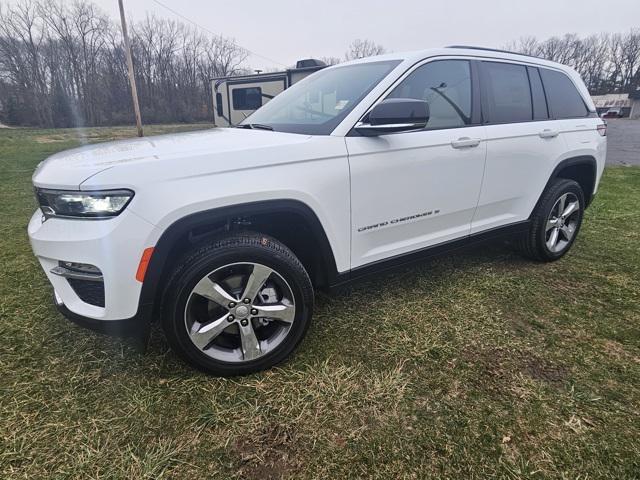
column 555, row 222
column 237, row 305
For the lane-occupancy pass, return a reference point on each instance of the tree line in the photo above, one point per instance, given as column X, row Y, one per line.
column 608, row 63
column 63, row 64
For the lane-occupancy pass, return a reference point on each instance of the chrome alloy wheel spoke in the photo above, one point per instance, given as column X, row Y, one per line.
column 570, row 210
column 250, row 343
column 256, row 280
column 205, row 334
column 553, row 239
column 214, row 292
column 284, row 312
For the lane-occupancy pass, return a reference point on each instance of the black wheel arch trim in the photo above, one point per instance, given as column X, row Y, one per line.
column 170, row 237
column 572, row 162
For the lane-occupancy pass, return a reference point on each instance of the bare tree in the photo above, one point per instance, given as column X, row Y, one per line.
column 62, row 64
column 22, row 51
column 607, row 63
column 363, row 48
column 330, row 60
column 625, row 55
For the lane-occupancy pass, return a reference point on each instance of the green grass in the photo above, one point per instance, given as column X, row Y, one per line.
column 480, row 365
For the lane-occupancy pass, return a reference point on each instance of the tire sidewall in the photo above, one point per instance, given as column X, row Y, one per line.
column 182, row 285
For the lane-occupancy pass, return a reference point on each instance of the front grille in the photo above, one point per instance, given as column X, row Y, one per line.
column 89, row 291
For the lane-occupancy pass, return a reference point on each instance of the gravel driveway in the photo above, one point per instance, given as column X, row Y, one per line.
column 623, row 145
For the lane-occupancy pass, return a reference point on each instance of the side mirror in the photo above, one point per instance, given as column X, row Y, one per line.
column 395, row 115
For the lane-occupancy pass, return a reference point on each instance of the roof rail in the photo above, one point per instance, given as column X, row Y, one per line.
column 471, row 47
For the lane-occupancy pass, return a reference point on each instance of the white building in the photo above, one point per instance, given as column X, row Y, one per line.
column 627, row 103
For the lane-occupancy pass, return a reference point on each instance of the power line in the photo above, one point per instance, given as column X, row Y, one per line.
column 216, row 34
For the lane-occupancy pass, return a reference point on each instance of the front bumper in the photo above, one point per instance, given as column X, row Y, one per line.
column 128, row 327
column 114, row 246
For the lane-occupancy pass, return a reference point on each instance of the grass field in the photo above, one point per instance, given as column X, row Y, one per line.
column 481, row 365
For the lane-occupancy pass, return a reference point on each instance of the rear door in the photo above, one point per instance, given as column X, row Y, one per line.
column 575, row 123
column 413, row 190
column 523, row 143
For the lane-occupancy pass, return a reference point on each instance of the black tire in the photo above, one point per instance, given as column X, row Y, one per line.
column 226, row 250
column 534, row 243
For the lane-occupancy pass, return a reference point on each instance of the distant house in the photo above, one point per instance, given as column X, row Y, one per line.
column 628, row 104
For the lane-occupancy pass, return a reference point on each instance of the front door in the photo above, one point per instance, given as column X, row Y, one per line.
column 414, row 190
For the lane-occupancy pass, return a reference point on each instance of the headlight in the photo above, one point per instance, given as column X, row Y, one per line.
column 102, row 204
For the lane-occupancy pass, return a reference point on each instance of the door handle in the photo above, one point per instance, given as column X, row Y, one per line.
column 546, row 133
column 465, row 142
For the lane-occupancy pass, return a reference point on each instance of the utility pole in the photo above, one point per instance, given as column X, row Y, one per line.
column 132, row 78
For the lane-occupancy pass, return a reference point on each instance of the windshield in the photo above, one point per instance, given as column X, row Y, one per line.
column 316, row 105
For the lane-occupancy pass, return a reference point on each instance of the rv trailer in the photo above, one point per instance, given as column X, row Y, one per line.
column 235, row 98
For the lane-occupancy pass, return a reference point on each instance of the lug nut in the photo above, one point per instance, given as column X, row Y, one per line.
column 246, row 300
column 254, row 311
column 230, row 318
column 244, row 322
column 232, row 304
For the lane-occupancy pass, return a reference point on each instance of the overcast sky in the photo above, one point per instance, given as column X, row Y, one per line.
column 287, row 30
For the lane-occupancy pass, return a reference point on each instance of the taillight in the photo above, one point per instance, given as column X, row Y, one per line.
column 602, row 129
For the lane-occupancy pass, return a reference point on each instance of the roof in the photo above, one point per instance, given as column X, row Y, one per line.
column 470, row 51
column 263, row 75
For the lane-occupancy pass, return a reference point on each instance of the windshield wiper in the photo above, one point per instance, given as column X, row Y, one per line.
column 257, row 126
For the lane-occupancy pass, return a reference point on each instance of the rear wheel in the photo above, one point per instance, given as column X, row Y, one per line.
column 238, row 305
column 556, row 221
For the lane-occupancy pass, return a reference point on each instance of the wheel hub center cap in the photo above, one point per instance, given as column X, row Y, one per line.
column 242, row 311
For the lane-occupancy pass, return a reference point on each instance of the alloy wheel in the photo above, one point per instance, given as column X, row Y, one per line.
column 562, row 222
column 239, row 312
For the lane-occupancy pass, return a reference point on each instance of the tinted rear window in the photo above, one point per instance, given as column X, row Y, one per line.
column 508, row 92
column 562, row 95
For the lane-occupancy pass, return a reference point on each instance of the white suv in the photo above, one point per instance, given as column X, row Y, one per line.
column 222, row 235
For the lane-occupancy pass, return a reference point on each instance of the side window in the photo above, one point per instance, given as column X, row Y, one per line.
column 540, row 111
column 508, row 93
column 446, row 86
column 247, row 98
column 564, row 100
column 219, row 108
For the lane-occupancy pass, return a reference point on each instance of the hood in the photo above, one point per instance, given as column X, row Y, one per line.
column 71, row 168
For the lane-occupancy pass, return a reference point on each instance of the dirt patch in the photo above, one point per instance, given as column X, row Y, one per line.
column 617, row 350
column 541, row 369
column 498, row 366
column 269, row 454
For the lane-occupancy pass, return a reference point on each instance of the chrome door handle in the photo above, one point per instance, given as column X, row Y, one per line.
column 546, row 133
column 465, row 142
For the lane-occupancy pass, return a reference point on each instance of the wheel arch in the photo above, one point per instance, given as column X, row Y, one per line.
column 581, row 168
column 269, row 215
